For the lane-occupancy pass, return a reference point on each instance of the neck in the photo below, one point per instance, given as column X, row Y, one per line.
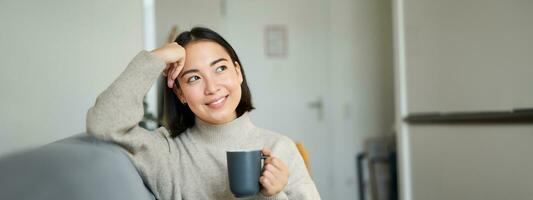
column 225, row 132
column 222, row 122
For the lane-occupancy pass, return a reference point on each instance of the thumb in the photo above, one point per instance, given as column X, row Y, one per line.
column 266, row 151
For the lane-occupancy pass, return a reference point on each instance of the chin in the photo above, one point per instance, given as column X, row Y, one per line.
column 220, row 117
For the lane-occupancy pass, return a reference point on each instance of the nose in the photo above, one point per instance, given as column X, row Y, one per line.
column 210, row 86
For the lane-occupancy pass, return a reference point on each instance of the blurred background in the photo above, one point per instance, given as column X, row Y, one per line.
column 361, row 83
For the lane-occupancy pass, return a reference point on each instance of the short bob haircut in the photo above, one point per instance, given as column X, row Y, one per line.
column 178, row 117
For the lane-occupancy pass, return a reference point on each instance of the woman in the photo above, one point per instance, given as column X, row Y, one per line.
column 207, row 114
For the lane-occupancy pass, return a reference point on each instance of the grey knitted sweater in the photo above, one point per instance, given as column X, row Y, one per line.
column 192, row 165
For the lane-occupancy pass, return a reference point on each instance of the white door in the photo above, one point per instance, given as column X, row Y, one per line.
column 288, row 92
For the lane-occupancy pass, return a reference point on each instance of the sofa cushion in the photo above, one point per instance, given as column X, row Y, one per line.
column 78, row 167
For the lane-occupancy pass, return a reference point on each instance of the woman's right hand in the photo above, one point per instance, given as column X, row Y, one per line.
column 174, row 56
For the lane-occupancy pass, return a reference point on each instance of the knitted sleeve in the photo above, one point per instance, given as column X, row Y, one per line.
column 116, row 115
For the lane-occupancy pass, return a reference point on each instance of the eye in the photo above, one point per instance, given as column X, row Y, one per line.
column 192, row 79
column 221, row 68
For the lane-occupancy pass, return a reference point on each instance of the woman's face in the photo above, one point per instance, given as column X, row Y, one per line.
column 209, row 82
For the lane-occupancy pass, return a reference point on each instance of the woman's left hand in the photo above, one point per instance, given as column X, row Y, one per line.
column 275, row 174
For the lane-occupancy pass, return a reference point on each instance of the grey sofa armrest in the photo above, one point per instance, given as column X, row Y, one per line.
column 79, row 167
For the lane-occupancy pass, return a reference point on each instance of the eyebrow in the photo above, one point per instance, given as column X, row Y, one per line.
column 218, row 60
column 188, row 71
column 195, row 70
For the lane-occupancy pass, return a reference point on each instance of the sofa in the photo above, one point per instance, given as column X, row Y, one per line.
column 78, row 168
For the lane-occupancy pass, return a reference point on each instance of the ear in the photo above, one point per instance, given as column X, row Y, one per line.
column 177, row 90
column 238, row 69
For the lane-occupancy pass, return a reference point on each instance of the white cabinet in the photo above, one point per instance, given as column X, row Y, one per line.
column 460, row 56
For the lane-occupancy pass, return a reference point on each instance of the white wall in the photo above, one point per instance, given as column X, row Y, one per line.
column 56, row 57
column 469, row 55
column 361, row 75
column 464, row 56
column 186, row 14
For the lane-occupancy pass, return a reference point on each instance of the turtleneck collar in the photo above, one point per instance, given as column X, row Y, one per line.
column 223, row 133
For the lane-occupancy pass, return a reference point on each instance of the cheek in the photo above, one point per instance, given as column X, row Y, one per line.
column 235, row 88
column 192, row 93
column 232, row 82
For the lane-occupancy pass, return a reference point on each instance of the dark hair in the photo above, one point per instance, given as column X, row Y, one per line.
column 178, row 117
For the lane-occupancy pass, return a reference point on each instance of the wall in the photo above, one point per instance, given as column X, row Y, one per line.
column 186, row 14
column 361, row 83
column 56, row 57
column 471, row 55
column 464, row 56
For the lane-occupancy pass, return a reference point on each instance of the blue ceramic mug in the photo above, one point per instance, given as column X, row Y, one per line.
column 244, row 170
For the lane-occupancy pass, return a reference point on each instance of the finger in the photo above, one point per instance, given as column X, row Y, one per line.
column 268, row 161
column 179, row 66
column 173, row 69
column 267, row 184
column 171, row 75
column 275, row 171
column 170, row 81
column 271, row 178
column 165, row 71
column 176, row 71
column 281, row 167
column 266, row 151
column 278, row 163
column 272, row 182
column 173, row 66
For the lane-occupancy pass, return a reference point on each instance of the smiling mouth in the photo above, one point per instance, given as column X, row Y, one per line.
column 217, row 101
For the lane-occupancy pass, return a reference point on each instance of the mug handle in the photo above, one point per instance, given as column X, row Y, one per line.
column 263, row 158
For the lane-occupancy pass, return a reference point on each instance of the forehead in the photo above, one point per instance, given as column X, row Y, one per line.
column 202, row 53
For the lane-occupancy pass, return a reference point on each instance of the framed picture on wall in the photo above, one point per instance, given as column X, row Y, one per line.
column 276, row 41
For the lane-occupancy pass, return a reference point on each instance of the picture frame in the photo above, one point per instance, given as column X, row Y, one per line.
column 276, row 41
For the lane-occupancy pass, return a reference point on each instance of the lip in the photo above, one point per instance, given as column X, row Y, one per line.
column 217, row 103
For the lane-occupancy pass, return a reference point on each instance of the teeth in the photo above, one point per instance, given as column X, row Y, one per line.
column 218, row 101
